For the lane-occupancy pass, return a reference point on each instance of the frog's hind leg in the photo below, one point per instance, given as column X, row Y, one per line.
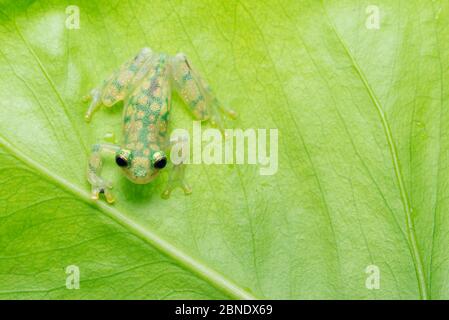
column 196, row 93
column 114, row 89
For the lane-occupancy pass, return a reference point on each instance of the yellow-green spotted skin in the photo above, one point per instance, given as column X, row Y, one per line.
column 145, row 117
column 145, row 85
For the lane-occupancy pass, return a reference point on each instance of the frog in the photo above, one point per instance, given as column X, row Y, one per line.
column 145, row 84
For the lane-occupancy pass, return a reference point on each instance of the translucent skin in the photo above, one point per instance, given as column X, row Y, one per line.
column 145, row 85
column 145, row 118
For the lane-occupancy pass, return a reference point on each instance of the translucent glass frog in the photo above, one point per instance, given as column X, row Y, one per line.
column 145, row 85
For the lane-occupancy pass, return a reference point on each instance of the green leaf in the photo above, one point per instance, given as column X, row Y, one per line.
column 363, row 173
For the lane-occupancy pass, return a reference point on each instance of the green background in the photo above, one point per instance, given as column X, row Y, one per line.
column 363, row 153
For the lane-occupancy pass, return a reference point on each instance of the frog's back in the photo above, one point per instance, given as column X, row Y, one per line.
column 147, row 108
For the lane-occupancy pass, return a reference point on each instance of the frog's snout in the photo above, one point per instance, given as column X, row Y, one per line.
column 140, row 172
column 140, row 175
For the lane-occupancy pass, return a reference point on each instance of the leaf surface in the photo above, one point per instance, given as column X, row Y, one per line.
column 363, row 139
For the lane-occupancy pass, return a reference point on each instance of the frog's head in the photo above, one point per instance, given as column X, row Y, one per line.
column 140, row 168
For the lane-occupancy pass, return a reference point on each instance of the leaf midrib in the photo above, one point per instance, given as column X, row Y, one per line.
column 413, row 245
column 191, row 264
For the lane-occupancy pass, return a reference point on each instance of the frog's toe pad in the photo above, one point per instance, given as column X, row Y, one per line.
column 187, row 189
column 96, row 191
column 86, row 98
column 166, row 194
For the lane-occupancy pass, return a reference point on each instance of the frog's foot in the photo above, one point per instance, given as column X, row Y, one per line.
column 166, row 193
column 95, row 163
column 95, row 102
column 216, row 111
column 102, row 187
column 176, row 179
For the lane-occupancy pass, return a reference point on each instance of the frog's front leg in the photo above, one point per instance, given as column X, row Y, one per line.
column 99, row 185
column 115, row 88
column 176, row 176
column 196, row 93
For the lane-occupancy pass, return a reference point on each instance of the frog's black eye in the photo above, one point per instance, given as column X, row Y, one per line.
column 160, row 163
column 159, row 160
column 123, row 158
column 121, row 161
